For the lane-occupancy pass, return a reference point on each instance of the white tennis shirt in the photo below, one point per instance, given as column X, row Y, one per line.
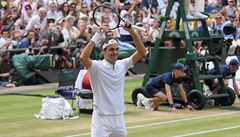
column 107, row 82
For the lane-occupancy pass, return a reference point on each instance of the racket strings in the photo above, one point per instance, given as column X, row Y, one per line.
column 107, row 17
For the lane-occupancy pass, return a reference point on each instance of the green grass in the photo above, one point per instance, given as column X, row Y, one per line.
column 129, row 86
column 180, row 128
column 17, row 120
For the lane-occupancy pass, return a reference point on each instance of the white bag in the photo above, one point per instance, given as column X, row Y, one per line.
column 55, row 108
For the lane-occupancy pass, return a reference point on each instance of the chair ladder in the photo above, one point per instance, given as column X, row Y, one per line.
column 190, row 37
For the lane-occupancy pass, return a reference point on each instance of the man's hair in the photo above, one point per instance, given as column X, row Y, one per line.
column 42, row 9
column 28, row 6
column 31, row 30
column 107, row 42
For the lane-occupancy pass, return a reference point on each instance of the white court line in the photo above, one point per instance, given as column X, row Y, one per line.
column 208, row 131
column 164, row 122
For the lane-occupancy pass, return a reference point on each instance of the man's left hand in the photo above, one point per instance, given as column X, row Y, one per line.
column 127, row 26
column 189, row 107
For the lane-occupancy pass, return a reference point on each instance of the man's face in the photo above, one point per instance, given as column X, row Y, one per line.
column 5, row 34
column 42, row 14
column 105, row 24
column 111, row 53
column 231, row 2
column 180, row 73
column 110, row 34
column 232, row 19
column 28, row 9
column 127, row 6
column 37, row 29
column 233, row 68
column 31, row 35
column 73, row 7
column 84, row 8
column 53, row 7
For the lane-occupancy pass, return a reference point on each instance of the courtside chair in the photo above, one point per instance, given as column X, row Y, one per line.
column 66, row 82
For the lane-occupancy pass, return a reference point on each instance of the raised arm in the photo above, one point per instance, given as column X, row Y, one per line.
column 85, row 55
column 138, row 43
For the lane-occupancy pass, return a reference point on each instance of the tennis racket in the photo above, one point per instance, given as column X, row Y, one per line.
column 105, row 16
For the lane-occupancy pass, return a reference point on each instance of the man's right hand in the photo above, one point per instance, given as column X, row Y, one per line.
column 98, row 37
column 174, row 110
column 127, row 26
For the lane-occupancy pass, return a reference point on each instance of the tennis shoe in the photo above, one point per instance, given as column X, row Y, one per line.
column 140, row 98
column 147, row 104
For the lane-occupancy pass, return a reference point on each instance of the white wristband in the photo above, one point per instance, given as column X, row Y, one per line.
column 96, row 38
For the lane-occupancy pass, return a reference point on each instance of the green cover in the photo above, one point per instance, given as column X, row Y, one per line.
column 25, row 64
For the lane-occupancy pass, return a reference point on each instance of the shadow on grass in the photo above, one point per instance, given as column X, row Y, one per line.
column 233, row 108
column 128, row 102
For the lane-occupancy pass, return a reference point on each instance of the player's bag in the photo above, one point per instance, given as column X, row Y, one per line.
column 55, row 108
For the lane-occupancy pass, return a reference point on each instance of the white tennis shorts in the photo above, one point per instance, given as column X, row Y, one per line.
column 108, row 126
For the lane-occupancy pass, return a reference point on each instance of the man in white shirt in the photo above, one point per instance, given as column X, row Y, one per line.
column 53, row 12
column 126, row 14
column 39, row 19
column 6, row 41
column 107, row 82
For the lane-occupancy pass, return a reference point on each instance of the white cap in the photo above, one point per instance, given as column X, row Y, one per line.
column 109, row 42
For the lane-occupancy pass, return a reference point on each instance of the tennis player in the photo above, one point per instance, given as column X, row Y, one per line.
column 107, row 81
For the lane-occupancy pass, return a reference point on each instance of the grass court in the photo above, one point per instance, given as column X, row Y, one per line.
column 17, row 120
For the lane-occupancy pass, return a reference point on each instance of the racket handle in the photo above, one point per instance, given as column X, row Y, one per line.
column 138, row 28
